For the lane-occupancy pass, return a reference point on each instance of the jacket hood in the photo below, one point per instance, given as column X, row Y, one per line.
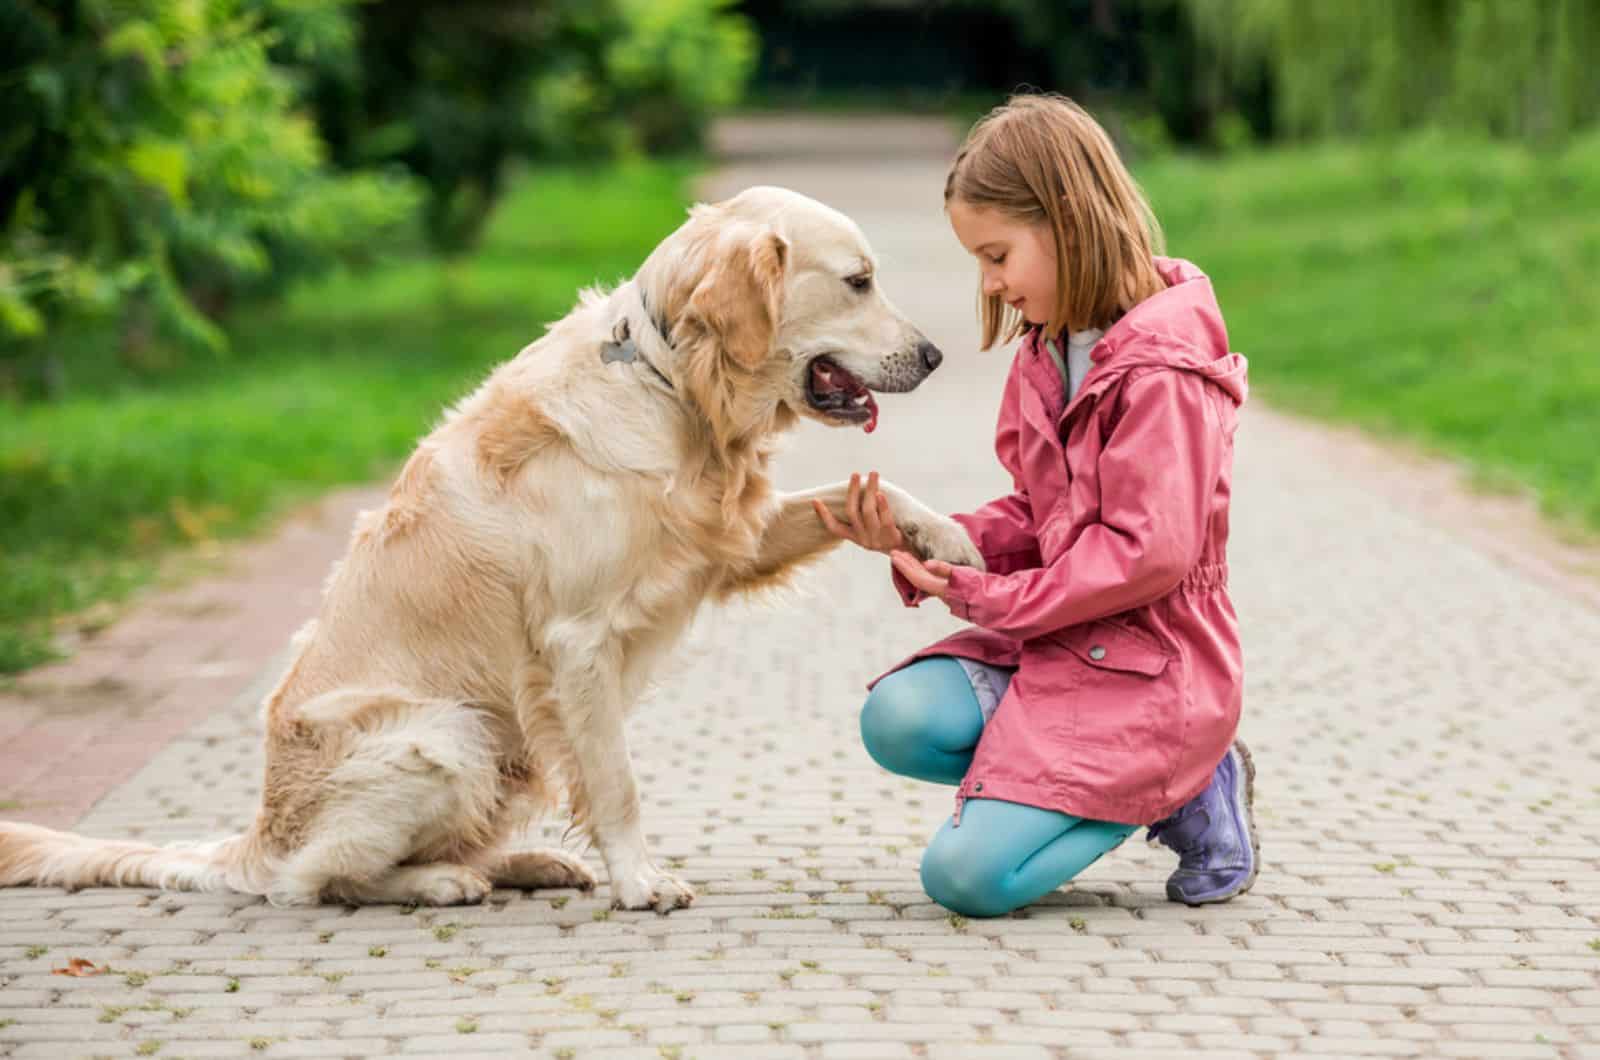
column 1180, row 327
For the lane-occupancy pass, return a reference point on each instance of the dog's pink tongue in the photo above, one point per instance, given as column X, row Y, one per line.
column 872, row 422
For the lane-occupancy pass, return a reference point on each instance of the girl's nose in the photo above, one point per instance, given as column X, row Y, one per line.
column 992, row 284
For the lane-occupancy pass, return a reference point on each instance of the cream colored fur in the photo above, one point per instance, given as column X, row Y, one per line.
column 479, row 647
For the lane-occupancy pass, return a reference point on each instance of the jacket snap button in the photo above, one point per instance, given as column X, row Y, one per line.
column 978, row 786
column 1097, row 653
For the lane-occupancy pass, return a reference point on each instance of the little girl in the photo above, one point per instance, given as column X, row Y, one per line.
column 1099, row 687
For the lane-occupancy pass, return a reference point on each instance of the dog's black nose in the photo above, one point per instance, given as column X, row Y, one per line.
column 930, row 354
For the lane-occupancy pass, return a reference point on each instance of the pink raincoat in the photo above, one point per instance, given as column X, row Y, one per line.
column 1107, row 580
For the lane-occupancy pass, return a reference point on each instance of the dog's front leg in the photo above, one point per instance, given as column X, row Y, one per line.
column 795, row 533
column 793, row 536
column 588, row 690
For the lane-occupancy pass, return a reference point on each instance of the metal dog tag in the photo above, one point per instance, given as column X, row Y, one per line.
column 621, row 347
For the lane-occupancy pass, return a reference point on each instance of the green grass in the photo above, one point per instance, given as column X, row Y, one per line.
column 1439, row 292
column 331, row 387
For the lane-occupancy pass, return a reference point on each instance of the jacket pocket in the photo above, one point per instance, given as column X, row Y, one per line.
column 1122, row 685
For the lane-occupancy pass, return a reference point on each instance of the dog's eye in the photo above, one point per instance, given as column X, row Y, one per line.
column 861, row 282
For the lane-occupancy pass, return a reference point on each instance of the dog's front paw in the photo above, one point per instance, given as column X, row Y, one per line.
column 650, row 888
column 929, row 534
column 943, row 538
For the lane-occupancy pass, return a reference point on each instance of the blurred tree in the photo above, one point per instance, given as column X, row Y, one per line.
column 1127, row 58
column 815, row 50
column 1508, row 68
column 671, row 63
column 1219, row 71
column 158, row 158
column 1145, row 54
column 151, row 164
column 455, row 89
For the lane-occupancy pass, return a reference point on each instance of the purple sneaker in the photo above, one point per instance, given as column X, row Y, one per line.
column 1214, row 835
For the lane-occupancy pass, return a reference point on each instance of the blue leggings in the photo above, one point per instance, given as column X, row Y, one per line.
column 923, row 722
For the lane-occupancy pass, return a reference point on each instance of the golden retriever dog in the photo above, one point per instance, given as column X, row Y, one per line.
column 478, row 649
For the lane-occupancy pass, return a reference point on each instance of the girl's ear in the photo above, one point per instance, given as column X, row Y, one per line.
column 740, row 298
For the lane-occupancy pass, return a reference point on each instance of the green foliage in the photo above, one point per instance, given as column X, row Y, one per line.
column 1505, row 68
column 1440, row 290
column 152, row 166
column 456, row 90
column 641, row 75
column 331, row 387
column 1224, row 74
column 673, row 63
column 440, row 87
column 1143, row 70
column 161, row 158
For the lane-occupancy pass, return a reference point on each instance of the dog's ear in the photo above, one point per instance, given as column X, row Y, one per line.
column 740, row 297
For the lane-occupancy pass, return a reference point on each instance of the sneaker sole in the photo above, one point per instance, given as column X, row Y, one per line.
column 1247, row 812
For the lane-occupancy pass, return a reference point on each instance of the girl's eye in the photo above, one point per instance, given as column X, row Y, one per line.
column 1001, row 260
column 860, row 283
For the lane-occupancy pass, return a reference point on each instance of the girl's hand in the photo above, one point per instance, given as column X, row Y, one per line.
column 931, row 576
column 867, row 519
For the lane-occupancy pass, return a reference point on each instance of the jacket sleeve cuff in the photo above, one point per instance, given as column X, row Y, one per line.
column 910, row 595
column 965, row 584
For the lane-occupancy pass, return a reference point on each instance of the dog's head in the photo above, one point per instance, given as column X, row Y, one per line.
column 776, row 308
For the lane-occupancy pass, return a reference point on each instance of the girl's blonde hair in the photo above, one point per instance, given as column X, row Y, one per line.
column 1043, row 159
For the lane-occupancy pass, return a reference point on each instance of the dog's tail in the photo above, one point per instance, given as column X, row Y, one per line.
column 41, row 857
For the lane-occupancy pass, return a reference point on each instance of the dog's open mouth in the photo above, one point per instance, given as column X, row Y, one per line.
column 839, row 395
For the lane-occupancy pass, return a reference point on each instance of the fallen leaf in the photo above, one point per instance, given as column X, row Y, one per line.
column 78, row 967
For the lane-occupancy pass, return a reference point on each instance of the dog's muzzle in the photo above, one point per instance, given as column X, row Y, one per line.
column 843, row 397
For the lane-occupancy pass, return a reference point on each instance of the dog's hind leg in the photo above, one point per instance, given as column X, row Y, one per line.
column 441, row 883
column 531, row 870
column 411, row 771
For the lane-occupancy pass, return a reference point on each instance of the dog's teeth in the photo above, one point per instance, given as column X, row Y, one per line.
column 861, row 399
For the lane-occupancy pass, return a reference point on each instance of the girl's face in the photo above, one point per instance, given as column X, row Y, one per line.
column 1016, row 259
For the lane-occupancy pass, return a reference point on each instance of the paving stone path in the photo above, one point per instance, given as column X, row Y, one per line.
column 1422, row 711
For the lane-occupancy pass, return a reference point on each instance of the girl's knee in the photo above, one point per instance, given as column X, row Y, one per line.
column 915, row 709
column 892, row 723
column 964, row 883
